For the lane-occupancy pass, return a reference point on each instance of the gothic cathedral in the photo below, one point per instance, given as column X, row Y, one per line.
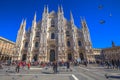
column 53, row 38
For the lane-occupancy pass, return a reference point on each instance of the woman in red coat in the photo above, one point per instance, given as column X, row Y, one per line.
column 28, row 65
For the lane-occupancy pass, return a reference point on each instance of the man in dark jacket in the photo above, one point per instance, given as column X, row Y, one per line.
column 55, row 66
column 68, row 65
column 18, row 67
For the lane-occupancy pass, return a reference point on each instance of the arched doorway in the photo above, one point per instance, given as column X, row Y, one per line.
column 70, row 57
column 24, row 57
column 35, row 57
column 81, row 56
column 52, row 55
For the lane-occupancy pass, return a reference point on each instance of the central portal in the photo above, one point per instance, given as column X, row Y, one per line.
column 69, row 56
column 24, row 57
column 35, row 57
column 52, row 55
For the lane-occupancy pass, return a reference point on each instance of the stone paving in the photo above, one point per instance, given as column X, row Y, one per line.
column 35, row 77
column 78, row 73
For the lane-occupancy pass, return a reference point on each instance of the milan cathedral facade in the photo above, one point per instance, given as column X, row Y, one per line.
column 53, row 38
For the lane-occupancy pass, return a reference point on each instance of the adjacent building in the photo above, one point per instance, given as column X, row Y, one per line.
column 53, row 38
column 6, row 49
column 97, row 57
column 111, row 53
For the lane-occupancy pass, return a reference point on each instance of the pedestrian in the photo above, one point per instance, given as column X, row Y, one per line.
column 68, row 65
column 85, row 63
column 55, row 66
column 28, row 65
column 118, row 64
column 18, row 67
column 23, row 64
column 113, row 64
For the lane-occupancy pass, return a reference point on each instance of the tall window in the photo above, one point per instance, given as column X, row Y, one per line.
column 79, row 43
column 37, row 34
column 52, row 23
column 36, row 44
column 52, row 36
column 26, row 44
column 68, row 43
column 67, row 33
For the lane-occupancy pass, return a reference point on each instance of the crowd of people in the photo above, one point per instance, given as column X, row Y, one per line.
column 22, row 64
column 111, row 64
column 54, row 64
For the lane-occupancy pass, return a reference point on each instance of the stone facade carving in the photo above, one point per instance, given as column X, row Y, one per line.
column 53, row 38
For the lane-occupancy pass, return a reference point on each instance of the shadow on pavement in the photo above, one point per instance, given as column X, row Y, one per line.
column 47, row 73
column 117, row 77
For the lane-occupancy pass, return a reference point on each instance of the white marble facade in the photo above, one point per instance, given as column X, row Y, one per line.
column 53, row 38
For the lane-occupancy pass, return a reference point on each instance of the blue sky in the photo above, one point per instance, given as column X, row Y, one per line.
column 13, row 11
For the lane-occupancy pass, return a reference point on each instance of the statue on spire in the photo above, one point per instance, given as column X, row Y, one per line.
column 113, row 44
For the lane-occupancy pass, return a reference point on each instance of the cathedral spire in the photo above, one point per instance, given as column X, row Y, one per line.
column 71, row 17
column 34, row 20
column 59, row 9
column 62, row 9
column 23, row 25
column 84, row 24
column 45, row 9
column 35, row 17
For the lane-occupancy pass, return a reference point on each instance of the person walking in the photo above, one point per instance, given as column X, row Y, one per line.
column 85, row 63
column 113, row 64
column 18, row 67
column 68, row 65
column 28, row 65
column 55, row 67
column 118, row 64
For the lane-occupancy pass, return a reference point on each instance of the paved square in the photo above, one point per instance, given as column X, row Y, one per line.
column 77, row 73
column 36, row 77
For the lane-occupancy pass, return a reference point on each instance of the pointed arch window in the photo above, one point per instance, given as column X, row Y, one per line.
column 36, row 44
column 52, row 36
column 67, row 33
column 26, row 44
column 52, row 23
column 79, row 43
column 37, row 34
column 68, row 43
